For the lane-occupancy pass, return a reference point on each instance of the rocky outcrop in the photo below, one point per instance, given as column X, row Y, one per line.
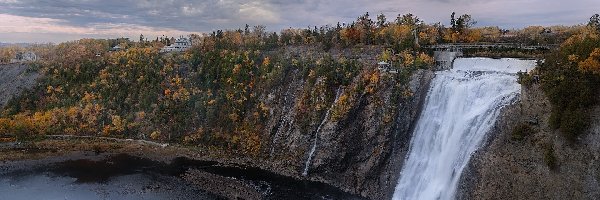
column 15, row 78
column 507, row 168
column 363, row 154
column 223, row 186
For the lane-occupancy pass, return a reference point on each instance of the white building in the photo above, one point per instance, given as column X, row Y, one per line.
column 181, row 44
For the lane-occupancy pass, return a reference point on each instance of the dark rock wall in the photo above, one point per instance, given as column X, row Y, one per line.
column 361, row 152
column 15, row 78
column 517, row 169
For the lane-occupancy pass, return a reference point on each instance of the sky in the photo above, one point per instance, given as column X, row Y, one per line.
column 40, row 21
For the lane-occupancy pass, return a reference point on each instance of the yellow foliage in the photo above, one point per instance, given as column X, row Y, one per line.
column 266, row 62
column 312, row 74
column 451, row 36
column 342, row 106
column 236, row 68
column 194, row 137
column 573, row 58
column 429, row 34
column 426, row 59
column 211, row 102
column 8, row 53
column 6, row 125
column 385, row 56
column 155, row 135
column 592, row 63
column 89, row 97
column 374, row 78
column 473, row 36
column 407, row 58
column 234, row 117
column 106, row 130
column 49, row 89
column 401, row 32
column 118, row 124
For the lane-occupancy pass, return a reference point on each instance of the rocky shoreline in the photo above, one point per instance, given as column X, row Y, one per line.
column 228, row 179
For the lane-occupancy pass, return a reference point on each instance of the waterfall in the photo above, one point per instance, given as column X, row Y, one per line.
column 461, row 107
column 285, row 122
column 314, row 146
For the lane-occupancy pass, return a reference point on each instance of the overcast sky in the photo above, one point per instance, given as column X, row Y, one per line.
column 62, row 20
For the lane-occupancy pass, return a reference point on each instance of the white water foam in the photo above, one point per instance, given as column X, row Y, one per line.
column 461, row 107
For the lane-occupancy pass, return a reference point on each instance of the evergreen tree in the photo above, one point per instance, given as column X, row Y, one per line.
column 381, row 20
column 595, row 22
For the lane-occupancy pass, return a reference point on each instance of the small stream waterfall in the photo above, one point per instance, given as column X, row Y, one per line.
column 285, row 123
column 314, row 146
column 461, row 107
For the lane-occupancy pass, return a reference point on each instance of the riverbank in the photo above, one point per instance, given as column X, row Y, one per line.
column 190, row 167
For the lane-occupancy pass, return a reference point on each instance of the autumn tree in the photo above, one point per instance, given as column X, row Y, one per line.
column 592, row 63
column 460, row 29
column 6, row 54
column 365, row 26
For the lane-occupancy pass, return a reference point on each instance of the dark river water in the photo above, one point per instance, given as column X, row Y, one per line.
column 128, row 178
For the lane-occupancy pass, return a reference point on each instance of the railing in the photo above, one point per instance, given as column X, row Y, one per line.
column 490, row 45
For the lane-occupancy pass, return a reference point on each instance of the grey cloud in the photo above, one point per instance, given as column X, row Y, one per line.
column 183, row 15
column 207, row 15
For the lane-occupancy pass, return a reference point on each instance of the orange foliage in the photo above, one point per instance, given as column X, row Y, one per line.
column 592, row 63
column 350, row 35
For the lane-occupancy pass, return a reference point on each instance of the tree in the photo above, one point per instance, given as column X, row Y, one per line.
column 592, row 63
column 381, row 20
column 8, row 53
column 247, row 29
column 365, row 26
column 595, row 22
column 464, row 22
column 461, row 24
column 408, row 19
column 453, row 21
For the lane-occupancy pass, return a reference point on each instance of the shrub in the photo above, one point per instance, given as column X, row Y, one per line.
column 549, row 156
column 521, row 131
column 525, row 79
column 570, row 89
column 573, row 123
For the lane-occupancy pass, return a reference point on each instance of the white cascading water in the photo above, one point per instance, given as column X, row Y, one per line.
column 284, row 123
column 314, row 147
column 461, row 107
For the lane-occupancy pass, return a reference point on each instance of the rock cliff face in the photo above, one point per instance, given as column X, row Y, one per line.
column 13, row 79
column 361, row 151
column 517, row 169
